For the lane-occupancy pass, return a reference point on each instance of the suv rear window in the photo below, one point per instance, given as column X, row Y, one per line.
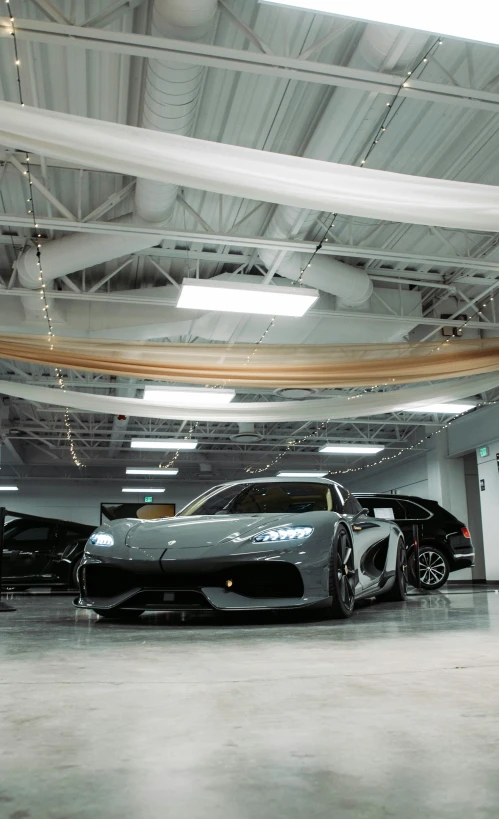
column 413, row 511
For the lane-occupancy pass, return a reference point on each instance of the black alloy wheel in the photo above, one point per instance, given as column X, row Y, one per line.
column 119, row 614
column 342, row 576
column 433, row 568
column 398, row 592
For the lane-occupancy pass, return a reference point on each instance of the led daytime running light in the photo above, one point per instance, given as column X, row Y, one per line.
column 283, row 533
column 101, row 539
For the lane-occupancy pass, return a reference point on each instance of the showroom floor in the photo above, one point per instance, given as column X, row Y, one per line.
column 394, row 713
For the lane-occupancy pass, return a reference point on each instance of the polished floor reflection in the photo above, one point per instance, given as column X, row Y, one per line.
column 394, row 713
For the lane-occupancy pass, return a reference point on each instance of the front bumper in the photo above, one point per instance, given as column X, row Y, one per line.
column 215, row 585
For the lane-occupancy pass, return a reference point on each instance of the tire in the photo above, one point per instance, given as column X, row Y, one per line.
column 341, row 576
column 119, row 614
column 433, row 567
column 398, row 592
column 73, row 577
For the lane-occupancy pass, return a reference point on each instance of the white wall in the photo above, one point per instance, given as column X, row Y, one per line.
column 80, row 500
column 407, row 478
column 489, row 502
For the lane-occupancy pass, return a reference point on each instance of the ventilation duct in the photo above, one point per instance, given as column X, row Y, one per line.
column 170, row 104
column 380, row 48
column 171, row 97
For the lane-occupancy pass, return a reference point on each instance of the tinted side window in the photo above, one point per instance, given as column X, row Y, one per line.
column 387, row 508
column 33, row 537
column 351, row 505
column 414, row 511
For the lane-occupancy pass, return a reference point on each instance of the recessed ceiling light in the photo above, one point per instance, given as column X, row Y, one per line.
column 188, row 397
column 442, row 409
column 143, row 443
column 301, row 474
column 132, row 470
column 352, row 449
column 142, row 489
column 453, row 20
column 9, row 488
column 239, row 297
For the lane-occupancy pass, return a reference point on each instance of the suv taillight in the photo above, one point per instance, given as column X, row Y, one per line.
column 465, row 531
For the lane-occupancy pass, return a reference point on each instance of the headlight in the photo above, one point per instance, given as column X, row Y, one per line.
column 101, row 539
column 283, row 533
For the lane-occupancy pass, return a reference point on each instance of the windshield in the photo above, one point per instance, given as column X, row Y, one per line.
column 261, row 498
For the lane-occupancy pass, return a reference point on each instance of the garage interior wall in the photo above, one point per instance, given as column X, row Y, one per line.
column 407, row 478
column 80, row 501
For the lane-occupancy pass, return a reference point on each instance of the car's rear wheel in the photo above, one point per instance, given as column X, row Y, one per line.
column 119, row 614
column 398, row 592
column 433, row 568
column 341, row 576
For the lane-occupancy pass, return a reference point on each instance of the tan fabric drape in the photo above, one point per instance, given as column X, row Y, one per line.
column 268, row 365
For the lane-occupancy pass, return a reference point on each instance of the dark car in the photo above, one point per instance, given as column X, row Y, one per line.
column 42, row 551
column 445, row 541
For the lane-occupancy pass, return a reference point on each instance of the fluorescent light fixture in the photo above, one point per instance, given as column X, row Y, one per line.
column 352, row 449
column 143, row 443
column 142, row 489
column 188, row 397
column 131, row 470
column 239, row 297
column 442, row 409
column 9, row 488
column 477, row 22
column 301, row 474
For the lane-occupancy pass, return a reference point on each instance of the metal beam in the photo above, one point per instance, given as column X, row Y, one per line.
column 110, row 202
column 63, row 210
column 301, row 246
column 109, row 276
column 141, row 45
column 128, row 298
column 51, row 12
column 110, row 12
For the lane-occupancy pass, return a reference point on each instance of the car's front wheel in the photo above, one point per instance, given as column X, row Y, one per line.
column 119, row 614
column 341, row 576
column 433, row 567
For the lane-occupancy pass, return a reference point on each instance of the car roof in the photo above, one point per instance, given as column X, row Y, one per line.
column 388, row 495
column 274, row 479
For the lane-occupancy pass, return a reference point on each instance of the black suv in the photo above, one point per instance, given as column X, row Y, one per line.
column 445, row 542
column 42, row 551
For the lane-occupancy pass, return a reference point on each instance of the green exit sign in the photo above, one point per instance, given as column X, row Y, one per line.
column 483, row 451
column 148, row 499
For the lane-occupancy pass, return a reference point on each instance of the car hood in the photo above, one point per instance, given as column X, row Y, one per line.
column 198, row 531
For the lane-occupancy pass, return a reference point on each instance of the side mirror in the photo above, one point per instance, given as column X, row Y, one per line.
column 360, row 514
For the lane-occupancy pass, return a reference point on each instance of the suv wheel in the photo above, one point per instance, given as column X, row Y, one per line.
column 433, row 567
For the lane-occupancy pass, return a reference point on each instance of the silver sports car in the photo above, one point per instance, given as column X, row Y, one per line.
column 273, row 543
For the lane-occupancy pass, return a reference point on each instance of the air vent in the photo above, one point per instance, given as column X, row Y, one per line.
column 295, row 393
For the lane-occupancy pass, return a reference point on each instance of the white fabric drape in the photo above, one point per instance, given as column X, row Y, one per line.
column 321, row 409
column 249, row 173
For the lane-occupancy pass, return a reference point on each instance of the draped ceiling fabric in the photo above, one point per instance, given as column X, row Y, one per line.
column 312, row 366
column 250, row 173
column 320, row 409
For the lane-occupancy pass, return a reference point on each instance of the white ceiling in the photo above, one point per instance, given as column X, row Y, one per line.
column 449, row 128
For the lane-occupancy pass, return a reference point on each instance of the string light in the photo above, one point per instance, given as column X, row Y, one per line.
column 192, row 428
column 43, row 288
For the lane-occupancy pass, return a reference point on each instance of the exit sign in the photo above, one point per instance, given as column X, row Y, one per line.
column 483, row 451
column 148, row 499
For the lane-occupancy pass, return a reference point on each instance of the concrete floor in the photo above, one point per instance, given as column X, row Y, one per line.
column 391, row 714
